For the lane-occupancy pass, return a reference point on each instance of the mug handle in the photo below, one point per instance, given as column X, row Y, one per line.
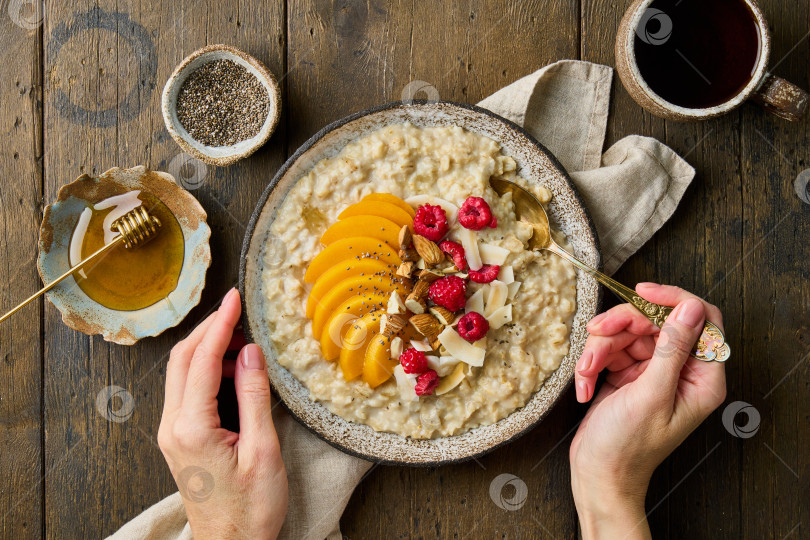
column 782, row 98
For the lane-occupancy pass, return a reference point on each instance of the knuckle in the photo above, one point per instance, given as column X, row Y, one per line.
column 164, row 438
column 186, row 436
column 258, row 391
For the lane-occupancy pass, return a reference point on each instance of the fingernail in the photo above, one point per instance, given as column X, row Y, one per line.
column 252, row 357
column 596, row 320
column 690, row 312
column 585, row 361
column 582, row 391
column 647, row 284
column 228, row 295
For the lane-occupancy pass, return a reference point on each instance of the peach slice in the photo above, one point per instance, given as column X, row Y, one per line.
column 359, row 247
column 377, row 227
column 392, row 199
column 355, row 286
column 381, row 209
column 334, row 332
column 341, row 271
column 378, row 366
column 353, row 353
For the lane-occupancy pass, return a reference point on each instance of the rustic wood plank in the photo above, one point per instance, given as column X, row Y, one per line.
column 776, row 375
column 346, row 56
column 21, row 505
column 119, row 56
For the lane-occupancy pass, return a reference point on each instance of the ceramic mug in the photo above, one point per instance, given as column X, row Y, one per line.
column 776, row 95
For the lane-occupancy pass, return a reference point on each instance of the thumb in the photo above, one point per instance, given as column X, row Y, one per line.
column 675, row 343
column 252, row 385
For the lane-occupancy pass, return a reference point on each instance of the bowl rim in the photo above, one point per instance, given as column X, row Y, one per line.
column 168, row 106
column 309, row 143
column 196, row 261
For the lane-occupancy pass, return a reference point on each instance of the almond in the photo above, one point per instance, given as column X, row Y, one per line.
column 391, row 324
column 409, row 254
column 405, row 269
column 396, row 306
column 436, row 344
column 405, row 238
column 429, row 275
column 444, row 315
column 428, row 250
column 415, row 305
column 397, row 346
column 427, row 325
column 420, row 290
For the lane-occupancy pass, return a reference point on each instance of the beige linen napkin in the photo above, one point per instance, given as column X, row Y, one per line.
column 630, row 190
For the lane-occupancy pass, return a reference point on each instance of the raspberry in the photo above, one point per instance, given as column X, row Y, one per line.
column 472, row 326
column 430, row 222
column 485, row 274
column 494, row 222
column 456, row 252
column 426, row 383
column 475, row 214
column 413, row 361
column 449, row 292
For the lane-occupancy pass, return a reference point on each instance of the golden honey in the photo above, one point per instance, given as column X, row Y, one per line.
column 131, row 279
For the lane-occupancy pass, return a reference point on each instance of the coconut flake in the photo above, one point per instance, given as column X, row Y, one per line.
column 513, row 289
column 406, row 383
column 459, row 348
column 469, row 242
column 449, row 208
column 506, row 274
column 451, row 381
column 492, row 254
column 496, row 299
column 442, row 365
column 476, row 301
column 500, row 317
column 422, row 346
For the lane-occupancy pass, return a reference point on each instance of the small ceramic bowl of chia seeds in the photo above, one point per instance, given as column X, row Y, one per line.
column 221, row 104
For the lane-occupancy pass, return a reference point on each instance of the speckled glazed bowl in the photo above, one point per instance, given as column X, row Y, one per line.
column 566, row 210
column 82, row 313
column 219, row 155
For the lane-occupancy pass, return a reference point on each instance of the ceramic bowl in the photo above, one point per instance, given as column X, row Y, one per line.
column 219, row 155
column 78, row 310
column 566, row 210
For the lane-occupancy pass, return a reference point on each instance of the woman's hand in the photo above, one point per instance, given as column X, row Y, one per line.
column 234, row 485
column 654, row 395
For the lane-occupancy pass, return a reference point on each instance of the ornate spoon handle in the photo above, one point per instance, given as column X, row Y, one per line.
column 711, row 346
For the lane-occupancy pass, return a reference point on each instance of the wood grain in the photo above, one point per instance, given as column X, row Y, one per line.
column 20, row 337
column 115, row 468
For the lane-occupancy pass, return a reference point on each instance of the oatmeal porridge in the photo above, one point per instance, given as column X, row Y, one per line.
column 406, row 299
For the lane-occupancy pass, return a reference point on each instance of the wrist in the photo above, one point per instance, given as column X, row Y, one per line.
column 610, row 510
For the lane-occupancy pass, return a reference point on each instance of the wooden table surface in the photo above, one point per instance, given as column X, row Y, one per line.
column 80, row 93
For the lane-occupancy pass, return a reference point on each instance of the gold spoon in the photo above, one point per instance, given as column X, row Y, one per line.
column 136, row 228
column 712, row 344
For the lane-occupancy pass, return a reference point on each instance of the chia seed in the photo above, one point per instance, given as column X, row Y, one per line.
column 221, row 103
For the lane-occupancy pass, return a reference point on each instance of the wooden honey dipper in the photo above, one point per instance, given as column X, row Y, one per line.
column 136, row 228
